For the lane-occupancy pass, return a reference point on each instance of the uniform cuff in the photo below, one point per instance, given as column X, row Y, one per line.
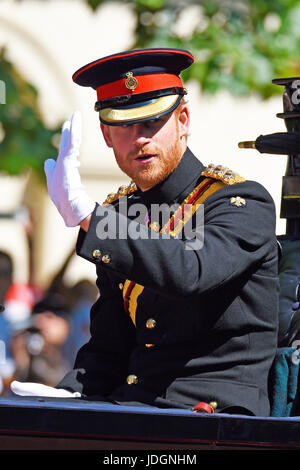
column 99, row 246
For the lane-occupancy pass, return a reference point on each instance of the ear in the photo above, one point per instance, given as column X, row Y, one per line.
column 184, row 121
column 106, row 135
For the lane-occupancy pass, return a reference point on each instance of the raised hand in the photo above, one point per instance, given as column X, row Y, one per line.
column 63, row 177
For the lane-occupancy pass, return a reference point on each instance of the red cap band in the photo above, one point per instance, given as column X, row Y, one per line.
column 144, row 84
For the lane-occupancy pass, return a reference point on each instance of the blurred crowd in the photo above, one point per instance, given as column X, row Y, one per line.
column 41, row 330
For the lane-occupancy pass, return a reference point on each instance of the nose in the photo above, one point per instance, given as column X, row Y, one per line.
column 140, row 134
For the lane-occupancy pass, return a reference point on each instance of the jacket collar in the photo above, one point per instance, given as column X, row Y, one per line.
column 178, row 184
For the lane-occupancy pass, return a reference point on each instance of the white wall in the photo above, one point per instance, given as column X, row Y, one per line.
column 48, row 41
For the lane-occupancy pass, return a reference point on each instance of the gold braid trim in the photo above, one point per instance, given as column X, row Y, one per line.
column 131, row 290
column 122, row 191
column 189, row 206
column 217, row 172
column 223, row 174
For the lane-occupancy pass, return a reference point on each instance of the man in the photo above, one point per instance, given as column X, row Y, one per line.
column 184, row 316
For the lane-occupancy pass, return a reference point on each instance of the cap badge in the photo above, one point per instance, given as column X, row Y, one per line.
column 237, row 201
column 131, row 82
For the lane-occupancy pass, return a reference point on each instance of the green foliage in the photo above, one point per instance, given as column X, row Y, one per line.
column 94, row 4
column 25, row 142
column 239, row 46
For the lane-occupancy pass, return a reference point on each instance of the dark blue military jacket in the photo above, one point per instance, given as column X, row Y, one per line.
column 203, row 322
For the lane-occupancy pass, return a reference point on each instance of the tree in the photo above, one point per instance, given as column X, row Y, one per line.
column 24, row 138
column 239, row 46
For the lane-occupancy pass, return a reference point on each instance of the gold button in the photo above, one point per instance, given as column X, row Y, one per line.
column 106, row 259
column 121, row 286
column 96, row 254
column 149, row 345
column 132, row 379
column 150, row 323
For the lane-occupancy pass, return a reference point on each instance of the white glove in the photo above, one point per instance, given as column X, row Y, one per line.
column 63, row 178
column 29, row 389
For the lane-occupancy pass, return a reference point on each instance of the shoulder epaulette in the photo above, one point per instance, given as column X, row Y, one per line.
column 122, row 191
column 223, row 174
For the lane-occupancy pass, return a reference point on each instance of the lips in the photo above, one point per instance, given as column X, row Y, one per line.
column 145, row 158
